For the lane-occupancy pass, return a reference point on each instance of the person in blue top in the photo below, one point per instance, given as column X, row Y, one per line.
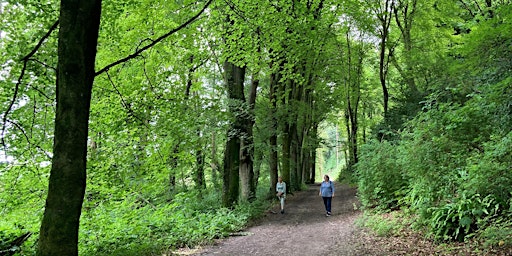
column 281, row 192
column 327, row 193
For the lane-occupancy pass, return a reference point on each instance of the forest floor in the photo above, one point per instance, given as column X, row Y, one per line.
column 304, row 229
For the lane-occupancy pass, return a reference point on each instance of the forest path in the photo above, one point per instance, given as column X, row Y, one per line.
column 302, row 230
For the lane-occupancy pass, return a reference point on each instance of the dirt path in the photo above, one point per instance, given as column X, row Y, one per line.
column 302, row 230
column 305, row 230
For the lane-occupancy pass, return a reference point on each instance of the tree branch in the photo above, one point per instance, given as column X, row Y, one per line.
column 153, row 43
column 20, row 78
column 124, row 103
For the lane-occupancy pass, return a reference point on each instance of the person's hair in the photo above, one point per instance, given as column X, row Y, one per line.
column 327, row 176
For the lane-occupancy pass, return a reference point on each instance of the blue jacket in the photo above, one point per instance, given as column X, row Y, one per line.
column 327, row 189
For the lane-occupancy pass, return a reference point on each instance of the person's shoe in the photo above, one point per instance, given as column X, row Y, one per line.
column 282, row 211
column 329, row 213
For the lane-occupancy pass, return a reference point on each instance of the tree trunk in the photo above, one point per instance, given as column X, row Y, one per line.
column 385, row 17
column 273, row 156
column 293, row 160
column 200, row 179
column 248, row 188
column 246, row 171
column 214, row 162
column 285, row 149
column 312, row 149
column 258, row 157
column 230, row 173
column 273, row 161
column 306, row 172
column 173, row 165
column 234, row 79
column 78, row 35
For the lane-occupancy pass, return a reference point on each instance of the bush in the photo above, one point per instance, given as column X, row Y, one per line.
column 381, row 183
column 489, row 172
column 126, row 228
column 457, row 219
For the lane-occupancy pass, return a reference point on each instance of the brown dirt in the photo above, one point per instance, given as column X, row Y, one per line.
column 302, row 230
column 305, row 230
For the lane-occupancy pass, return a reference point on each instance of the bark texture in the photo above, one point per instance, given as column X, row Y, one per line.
column 78, row 34
column 234, row 79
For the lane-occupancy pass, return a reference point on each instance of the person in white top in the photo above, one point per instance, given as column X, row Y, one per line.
column 281, row 192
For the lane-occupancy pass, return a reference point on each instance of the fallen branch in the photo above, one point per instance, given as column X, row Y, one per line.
column 15, row 245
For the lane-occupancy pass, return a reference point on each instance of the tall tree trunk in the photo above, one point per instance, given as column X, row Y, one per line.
column 199, row 172
column 355, row 66
column 230, row 173
column 405, row 12
column 200, row 179
column 273, row 156
column 298, row 122
column 78, row 35
column 286, row 137
column 173, row 165
column 385, row 16
column 214, row 163
column 248, row 188
column 314, row 134
column 234, row 79
column 285, row 154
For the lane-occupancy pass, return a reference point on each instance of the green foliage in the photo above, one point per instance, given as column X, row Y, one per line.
column 8, row 233
column 382, row 224
column 129, row 227
column 497, row 233
column 22, row 190
column 381, row 180
column 457, row 219
column 123, row 228
column 489, row 172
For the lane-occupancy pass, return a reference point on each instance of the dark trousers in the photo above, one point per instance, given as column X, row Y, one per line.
column 327, row 203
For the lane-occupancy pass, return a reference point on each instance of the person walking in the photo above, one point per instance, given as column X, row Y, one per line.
column 281, row 192
column 327, row 193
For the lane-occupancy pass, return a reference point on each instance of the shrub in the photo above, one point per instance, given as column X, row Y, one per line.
column 457, row 219
column 381, row 183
